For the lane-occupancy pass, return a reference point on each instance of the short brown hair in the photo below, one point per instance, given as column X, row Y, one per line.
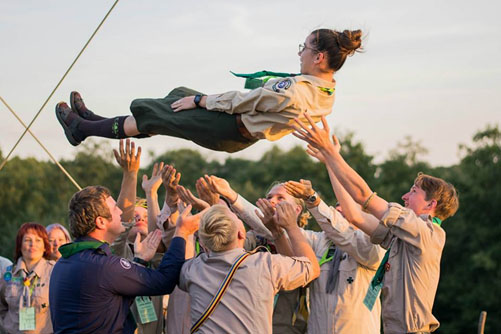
column 84, row 207
column 443, row 192
column 38, row 230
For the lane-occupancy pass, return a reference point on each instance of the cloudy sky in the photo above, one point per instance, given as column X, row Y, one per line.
column 431, row 69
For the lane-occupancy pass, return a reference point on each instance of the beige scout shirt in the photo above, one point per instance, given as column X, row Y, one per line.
column 410, row 284
column 11, row 293
column 121, row 247
column 268, row 111
column 247, row 305
column 178, row 319
column 343, row 310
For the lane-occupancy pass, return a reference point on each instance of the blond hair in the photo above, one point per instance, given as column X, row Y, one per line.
column 217, row 229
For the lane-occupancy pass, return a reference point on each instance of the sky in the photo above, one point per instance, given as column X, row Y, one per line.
column 430, row 69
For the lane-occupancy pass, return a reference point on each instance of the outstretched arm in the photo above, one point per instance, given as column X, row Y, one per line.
column 129, row 161
column 356, row 187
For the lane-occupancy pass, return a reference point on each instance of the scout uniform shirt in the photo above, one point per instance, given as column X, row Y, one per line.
column 268, row 112
column 341, row 311
column 247, row 305
column 11, row 293
column 413, row 269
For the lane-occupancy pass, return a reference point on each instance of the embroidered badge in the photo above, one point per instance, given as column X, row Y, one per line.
column 125, row 263
column 284, row 84
column 7, row 276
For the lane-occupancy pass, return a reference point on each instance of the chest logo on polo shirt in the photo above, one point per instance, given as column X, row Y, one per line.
column 125, row 263
column 283, row 84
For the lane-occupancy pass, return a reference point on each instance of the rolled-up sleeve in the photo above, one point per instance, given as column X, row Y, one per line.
column 288, row 273
column 263, row 99
column 354, row 242
column 404, row 224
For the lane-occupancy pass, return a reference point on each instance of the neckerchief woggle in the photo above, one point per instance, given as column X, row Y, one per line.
column 377, row 281
column 258, row 79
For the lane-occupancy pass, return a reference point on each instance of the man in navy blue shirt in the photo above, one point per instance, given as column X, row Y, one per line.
column 91, row 290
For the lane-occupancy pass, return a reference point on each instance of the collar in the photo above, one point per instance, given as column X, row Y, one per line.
column 317, row 81
column 21, row 267
column 231, row 252
column 82, row 244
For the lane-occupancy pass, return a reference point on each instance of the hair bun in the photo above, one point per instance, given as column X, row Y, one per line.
column 350, row 41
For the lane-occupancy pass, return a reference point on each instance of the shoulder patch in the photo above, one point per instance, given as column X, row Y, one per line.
column 282, row 84
column 125, row 263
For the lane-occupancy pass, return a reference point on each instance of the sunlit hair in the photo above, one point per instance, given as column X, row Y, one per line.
column 56, row 226
column 443, row 192
column 217, row 229
column 85, row 207
column 338, row 45
column 304, row 215
column 36, row 229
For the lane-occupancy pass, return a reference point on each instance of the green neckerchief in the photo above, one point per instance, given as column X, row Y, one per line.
column 325, row 257
column 75, row 247
column 258, row 79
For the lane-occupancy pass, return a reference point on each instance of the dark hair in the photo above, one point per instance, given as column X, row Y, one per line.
column 444, row 193
column 38, row 230
column 338, row 45
column 84, row 207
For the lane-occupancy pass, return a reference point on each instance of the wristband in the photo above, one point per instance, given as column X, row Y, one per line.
column 367, row 201
column 197, row 99
column 140, row 261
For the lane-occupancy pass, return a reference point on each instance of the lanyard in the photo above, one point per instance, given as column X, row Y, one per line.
column 325, row 257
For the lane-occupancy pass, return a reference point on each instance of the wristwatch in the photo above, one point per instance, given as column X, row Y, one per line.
column 197, row 99
column 313, row 198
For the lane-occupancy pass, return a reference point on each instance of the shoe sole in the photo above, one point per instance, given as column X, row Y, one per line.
column 67, row 130
column 75, row 109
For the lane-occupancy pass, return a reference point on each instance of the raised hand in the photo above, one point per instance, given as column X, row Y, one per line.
column 302, row 189
column 170, row 180
column 222, row 187
column 205, row 193
column 152, row 184
column 184, row 103
column 188, row 198
column 146, row 249
column 127, row 157
column 315, row 136
column 186, row 224
column 268, row 216
column 286, row 215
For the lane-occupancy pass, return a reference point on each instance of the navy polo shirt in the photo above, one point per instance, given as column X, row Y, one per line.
column 91, row 291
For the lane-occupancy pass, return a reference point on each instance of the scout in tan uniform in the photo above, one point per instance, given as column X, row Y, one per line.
column 247, row 304
column 24, row 287
column 238, row 119
column 336, row 295
column 123, row 245
column 409, row 273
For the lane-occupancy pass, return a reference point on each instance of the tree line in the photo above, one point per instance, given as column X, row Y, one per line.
column 36, row 191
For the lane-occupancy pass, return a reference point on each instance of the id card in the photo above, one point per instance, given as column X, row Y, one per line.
column 372, row 295
column 145, row 309
column 27, row 319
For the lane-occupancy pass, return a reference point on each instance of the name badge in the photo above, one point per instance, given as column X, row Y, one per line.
column 27, row 319
column 145, row 309
column 372, row 295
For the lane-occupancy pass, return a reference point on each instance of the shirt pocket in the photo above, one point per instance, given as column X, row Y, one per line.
column 40, row 298
column 347, row 277
column 13, row 294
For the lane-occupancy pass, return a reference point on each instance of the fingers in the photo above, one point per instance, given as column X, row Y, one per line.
column 117, row 157
column 137, row 241
column 185, row 212
column 156, row 237
column 266, row 208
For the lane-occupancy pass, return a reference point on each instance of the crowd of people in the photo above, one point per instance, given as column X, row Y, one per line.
column 216, row 263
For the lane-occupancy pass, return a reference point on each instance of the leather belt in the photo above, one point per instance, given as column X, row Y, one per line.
column 242, row 129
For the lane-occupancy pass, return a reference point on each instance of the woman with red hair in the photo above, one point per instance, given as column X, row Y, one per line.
column 24, row 286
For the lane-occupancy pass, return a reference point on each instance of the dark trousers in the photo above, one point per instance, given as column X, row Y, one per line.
column 214, row 130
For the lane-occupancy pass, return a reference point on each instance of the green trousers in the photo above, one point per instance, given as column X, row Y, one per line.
column 214, row 130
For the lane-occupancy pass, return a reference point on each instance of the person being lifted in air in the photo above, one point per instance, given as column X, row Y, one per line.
column 231, row 121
